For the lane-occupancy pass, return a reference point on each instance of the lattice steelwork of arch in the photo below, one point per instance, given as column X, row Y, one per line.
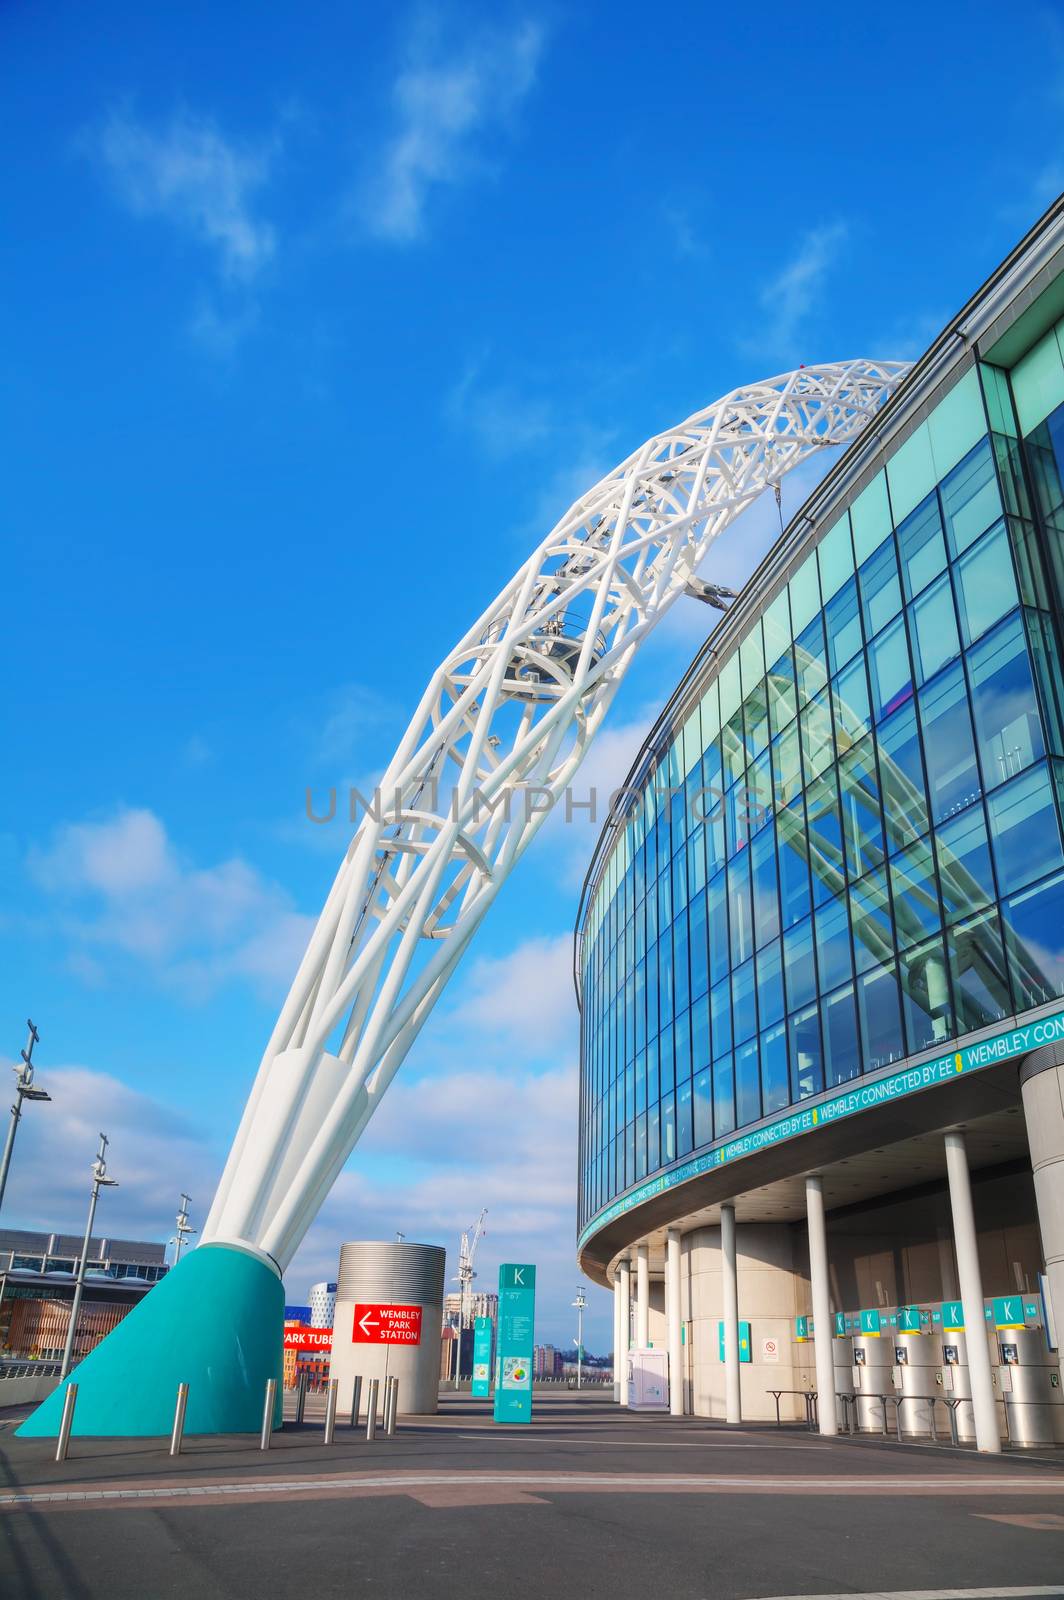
column 500, row 732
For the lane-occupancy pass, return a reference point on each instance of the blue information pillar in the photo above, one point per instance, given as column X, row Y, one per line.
column 517, row 1311
column 481, row 1358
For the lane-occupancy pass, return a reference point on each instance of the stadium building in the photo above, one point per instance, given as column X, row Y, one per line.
column 820, row 947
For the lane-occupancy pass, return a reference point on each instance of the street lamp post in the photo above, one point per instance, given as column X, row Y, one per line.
column 100, row 1180
column 24, row 1090
column 183, row 1229
column 580, row 1303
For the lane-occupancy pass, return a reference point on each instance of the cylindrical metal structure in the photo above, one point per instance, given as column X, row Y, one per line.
column 966, row 1245
column 673, row 1320
column 617, row 1339
column 330, row 1410
column 820, row 1294
column 873, row 1377
column 301, row 1395
column 624, row 1279
column 267, row 1413
column 956, row 1382
column 178, row 1431
column 642, row 1296
column 393, row 1407
column 917, row 1357
column 70, row 1400
column 356, row 1400
column 1028, row 1378
column 729, row 1288
column 389, row 1316
column 371, row 1409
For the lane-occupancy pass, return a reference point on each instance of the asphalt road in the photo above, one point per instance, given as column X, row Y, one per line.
column 589, row 1502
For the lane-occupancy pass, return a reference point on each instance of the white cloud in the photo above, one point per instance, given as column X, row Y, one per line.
column 121, row 888
column 443, row 105
column 503, row 421
column 155, row 1152
column 795, row 293
column 189, row 174
column 525, row 997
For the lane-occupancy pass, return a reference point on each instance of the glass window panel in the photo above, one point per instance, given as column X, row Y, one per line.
column 970, row 498
column 723, row 1096
column 805, row 594
column 798, row 965
column 880, row 588
column 1047, row 669
column 700, row 1048
column 835, row 557
column 949, row 746
column 933, row 626
column 776, row 624
column 922, row 546
column 765, row 887
column 696, row 861
column 861, row 822
column 755, row 715
column 901, row 769
column 965, row 874
column 684, row 1132
column 703, row 1109
column 793, row 863
column 1024, row 830
column 734, row 748
column 775, row 1081
column 770, row 983
column 740, row 911
column 914, row 887
column 1033, row 589
column 986, row 588
column 730, row 689
column 807, row 1065
column 833, row 943
column 1008, row 728
column 782, row 693
column 810, row 661
column 870, row 516
column 786, row 765
column 1034, row 942
column 842, row 1047
column 853, row 712
column 957, row 422
column 653, row 1138
column 873, row 933
column 826, row 854
column 668, row 1128
column 698, row 947
column 641, row 1148
column 911, row 471
column 879, row 1014
column 751, row 659
column 843, row 621
column 925, row 996
column 758, row 793
column 720, row 1017
column 717, row 908
column 977, row 969
column 888, row 658
column 747, row 1084
column 818, row 752
column 666, row 1058
column 682, row 1041
column 744, row 1005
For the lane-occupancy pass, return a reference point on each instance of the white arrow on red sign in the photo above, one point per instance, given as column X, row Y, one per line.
column 365, row 1324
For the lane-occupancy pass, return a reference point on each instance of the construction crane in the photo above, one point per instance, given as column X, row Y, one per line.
column 467, row 1250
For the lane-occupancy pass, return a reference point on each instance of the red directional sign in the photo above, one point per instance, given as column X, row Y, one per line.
column 304, row 1338
column 388, row 1324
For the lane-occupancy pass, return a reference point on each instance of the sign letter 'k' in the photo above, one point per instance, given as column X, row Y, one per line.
column 519, row 1276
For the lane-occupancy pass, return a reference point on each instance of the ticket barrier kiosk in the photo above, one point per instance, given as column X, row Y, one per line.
column 917, row 1380
column 957, row 1382
column 842, row 1357
column 1027, row 1381
column 873, row 1376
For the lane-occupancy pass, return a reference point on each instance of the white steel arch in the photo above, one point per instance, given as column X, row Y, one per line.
column 501, row 729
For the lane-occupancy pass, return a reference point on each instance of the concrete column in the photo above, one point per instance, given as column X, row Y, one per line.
column 733, row 1405
column 642, row 1296
column 617, row 1339
column 823, row 1326
column 1042, row 1080
column 673, row 1321
column 984, row 1408
column 624, row 1279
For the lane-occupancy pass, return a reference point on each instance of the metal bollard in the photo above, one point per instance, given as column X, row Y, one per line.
column 267, row 1413
column 301, row 1396
column 392, row 1410
column 70, row 1400
column 178, row 1431
column 371, row 1409
column 356, row 1402
column 330, row 1409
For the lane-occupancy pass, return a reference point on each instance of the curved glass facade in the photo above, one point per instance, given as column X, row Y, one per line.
column 850, row 850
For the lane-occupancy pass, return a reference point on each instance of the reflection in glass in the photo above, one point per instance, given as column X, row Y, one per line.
column 1034, row 942
column 765, row 886
column 901, row 764
column 978, row 972
column 1007, row 724
column 744, row 1004
column 852, row 708
column 793, row 865
column 842, row 1051
column 807, row 1067
column 925, row 996
column 703, row 1110
column 922, row 546
column 833, row 943
column 880, row 589
column 952, row 773
column 880, row 1017
column 843, row 621
column 770, row 983
column 782, row 693
column 986, row 588
column 965, row 873
column 888, row 662
column 862, row 827
column 747, row 1084
column 798, row 966
column 933, row 623
column 723, row 1096
column 873, row 941
column 809, row 661
column 775, row 1082
column 915, row 892
column 1024, row 830
column 970, row 498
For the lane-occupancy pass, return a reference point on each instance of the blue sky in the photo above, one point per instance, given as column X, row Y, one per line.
column 316, row 319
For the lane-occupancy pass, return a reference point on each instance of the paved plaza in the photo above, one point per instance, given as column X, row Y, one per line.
column 588, row 1501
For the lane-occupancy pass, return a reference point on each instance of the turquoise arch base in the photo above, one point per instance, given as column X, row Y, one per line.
column 215, row 1322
